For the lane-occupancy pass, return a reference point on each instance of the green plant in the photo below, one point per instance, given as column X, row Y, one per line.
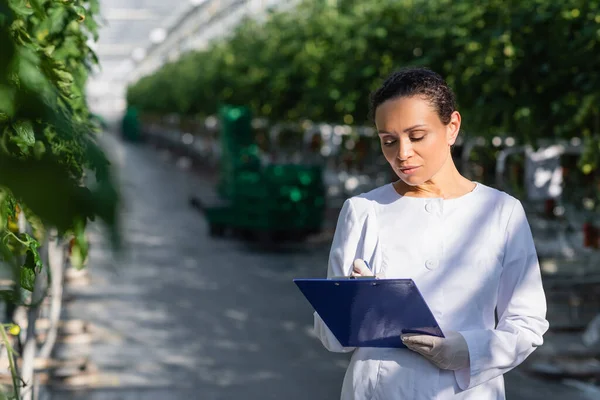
column 505, row 60
column 53, row 174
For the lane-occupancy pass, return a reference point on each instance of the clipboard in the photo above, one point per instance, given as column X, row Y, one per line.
column 370, row 312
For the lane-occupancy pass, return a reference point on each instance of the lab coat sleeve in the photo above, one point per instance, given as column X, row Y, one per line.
column 342, row 254
column 521, row 308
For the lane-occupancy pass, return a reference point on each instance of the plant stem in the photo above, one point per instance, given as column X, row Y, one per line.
column 10, row 351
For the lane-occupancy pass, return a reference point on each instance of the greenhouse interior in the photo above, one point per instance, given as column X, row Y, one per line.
column 186, row 187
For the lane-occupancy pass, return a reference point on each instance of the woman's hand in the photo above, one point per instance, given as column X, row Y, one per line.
column 451, row 352
column 360, row 268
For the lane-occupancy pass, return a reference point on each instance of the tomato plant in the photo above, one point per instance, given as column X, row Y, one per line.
column 507, row 62
column 53, row 174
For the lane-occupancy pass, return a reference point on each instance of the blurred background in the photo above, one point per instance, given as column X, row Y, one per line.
column 235, row 129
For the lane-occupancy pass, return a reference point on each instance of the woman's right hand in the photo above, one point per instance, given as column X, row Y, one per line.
column 360, row 269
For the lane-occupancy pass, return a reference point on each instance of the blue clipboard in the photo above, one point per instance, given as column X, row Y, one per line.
column 370, row 312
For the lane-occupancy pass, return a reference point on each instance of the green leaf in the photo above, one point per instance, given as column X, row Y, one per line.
column 27, row 278
column 57, row 19
column 63, row 75
column 79, row 247
column 48, row 50
column 39, row 149
column 79, row 12
column 36, row 5
column 20, row 8
column 24, row 135
column 29, row 71
column 33, row 263
column 7, row 102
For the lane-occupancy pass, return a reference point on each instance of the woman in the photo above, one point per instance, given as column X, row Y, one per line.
column 468, row 248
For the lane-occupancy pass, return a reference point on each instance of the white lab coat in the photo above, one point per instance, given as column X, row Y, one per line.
column 469, row 256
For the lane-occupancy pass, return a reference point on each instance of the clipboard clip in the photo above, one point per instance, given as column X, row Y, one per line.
column 354, row 277
column 374, row 277
column 368, row 278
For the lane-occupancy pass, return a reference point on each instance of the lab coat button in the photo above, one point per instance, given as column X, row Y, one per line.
column 431, row 264
column 430, row 207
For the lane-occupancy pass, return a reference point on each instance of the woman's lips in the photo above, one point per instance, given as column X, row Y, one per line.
column 409, row 170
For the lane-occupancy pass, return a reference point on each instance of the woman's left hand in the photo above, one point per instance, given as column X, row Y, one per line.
column 451, row 352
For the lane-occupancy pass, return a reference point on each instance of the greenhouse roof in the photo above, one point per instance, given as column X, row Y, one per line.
column 128, row 29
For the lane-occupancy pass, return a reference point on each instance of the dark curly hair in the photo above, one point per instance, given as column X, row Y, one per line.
column 408, row 82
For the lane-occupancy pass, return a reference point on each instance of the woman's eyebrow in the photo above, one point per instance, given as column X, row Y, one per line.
column 410, row 128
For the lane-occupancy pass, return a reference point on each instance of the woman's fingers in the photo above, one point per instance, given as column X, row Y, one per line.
column 423, row 350
column 360, row 268
column 419, row 340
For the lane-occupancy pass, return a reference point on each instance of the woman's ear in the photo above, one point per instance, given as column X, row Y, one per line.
column 453, row 128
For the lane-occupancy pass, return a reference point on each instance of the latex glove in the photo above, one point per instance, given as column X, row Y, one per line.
column 361, row 268
column 451, row 352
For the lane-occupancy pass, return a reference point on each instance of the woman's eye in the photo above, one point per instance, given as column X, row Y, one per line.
column 417, row 139
column 388, row 142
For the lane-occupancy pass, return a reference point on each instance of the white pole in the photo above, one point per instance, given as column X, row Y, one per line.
column 30, row 345
column 56, row 264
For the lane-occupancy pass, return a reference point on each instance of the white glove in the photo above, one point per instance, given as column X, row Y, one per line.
column 450, row 353
column 361, row 268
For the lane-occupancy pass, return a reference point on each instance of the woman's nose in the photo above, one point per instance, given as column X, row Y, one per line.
column 404, row 150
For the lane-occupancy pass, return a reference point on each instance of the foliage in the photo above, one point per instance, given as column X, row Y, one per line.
column 47, row 138
column 527, row 68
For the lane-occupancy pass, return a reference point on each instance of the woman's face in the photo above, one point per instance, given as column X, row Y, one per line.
column 414, row 140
